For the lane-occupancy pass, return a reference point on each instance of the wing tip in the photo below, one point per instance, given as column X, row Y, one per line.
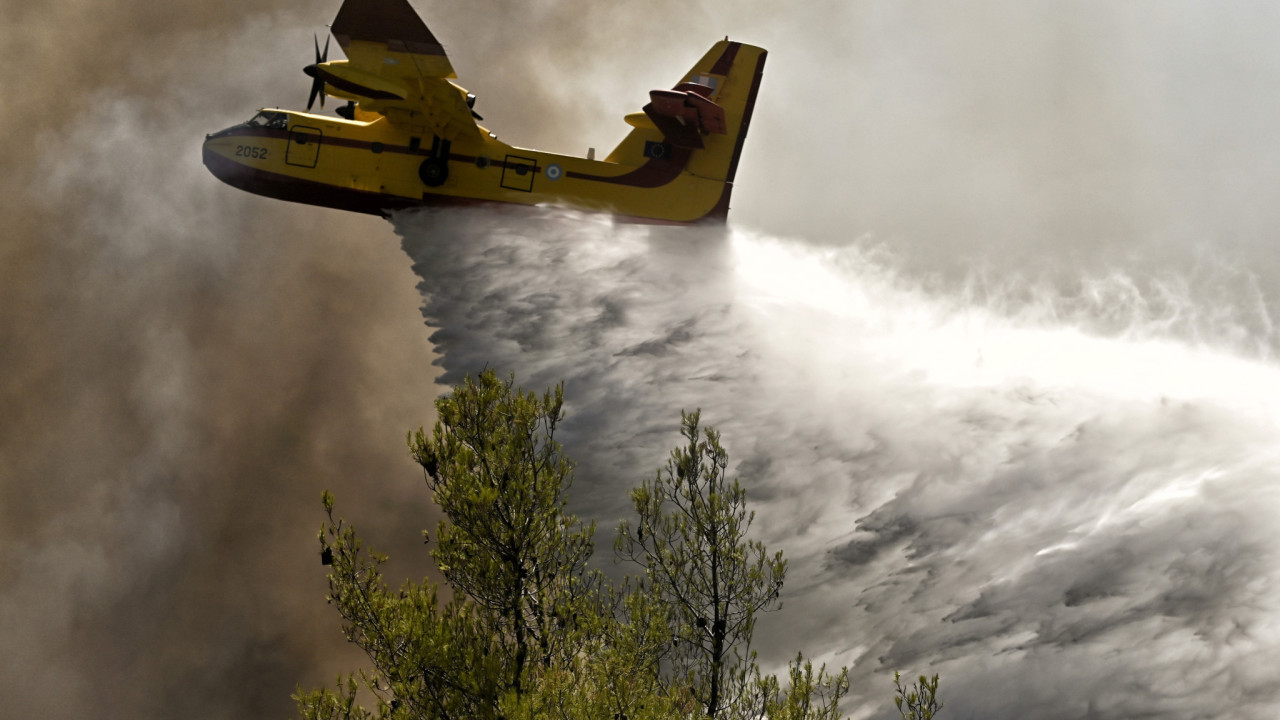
column 393, row 22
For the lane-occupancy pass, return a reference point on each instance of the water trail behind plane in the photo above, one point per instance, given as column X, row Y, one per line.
column 1064, row 515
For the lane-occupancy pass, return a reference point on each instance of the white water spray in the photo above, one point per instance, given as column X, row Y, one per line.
column 1063, row 517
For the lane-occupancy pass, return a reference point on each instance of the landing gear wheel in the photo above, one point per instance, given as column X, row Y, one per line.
column 433, row 172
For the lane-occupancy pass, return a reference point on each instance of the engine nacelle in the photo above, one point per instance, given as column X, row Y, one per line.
column 342, row 76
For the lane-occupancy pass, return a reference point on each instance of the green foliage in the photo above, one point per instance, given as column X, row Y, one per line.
column 614, row 676
column 919, row 701
column 516, row 561
column 690, row 538
column 326, row 703
column 810, row 696
column 427, row 661
column 497, row 472
column 530, row 632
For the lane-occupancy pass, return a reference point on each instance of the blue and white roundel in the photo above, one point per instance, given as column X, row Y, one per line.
column 554, row 172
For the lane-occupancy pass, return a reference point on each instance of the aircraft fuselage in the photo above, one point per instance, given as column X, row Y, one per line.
column 379, row 166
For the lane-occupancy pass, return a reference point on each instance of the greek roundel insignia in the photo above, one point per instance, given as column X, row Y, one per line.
column 656, row 149
column 553, row 172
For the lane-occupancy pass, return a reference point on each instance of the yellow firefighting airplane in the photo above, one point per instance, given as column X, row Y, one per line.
column 408, row 136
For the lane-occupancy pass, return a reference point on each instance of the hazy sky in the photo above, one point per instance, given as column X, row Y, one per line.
column 991, row 337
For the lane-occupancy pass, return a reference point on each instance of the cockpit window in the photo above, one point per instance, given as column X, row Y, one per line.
column 269, row 119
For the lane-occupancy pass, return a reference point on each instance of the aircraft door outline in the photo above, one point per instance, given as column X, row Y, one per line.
column 304, row 146
column 518, row 172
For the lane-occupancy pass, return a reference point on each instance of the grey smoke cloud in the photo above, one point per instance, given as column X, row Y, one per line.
column 184, row 370
column 185, row 367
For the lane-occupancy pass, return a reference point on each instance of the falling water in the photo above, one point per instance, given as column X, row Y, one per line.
column 1064, row 514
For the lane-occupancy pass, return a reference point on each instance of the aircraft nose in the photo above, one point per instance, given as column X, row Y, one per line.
column 214, row 148
column 206, row 151
column 220, row 133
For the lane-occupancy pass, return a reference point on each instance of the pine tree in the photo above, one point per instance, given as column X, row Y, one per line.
column 530, row 633
column 498, row 474
column 691, row 539
column 919, row 701
column 523, row 600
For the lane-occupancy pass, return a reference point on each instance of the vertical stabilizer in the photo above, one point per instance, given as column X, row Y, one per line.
column 701, row 123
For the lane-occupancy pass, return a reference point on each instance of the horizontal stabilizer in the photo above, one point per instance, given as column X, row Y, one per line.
column 684, row 115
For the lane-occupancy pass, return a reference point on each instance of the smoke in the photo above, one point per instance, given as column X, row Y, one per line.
column 1080, row 517
column 184, row 370
column 1022, row 437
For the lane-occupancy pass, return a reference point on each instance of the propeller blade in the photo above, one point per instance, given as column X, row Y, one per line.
column 317, row 85
column 317, row 88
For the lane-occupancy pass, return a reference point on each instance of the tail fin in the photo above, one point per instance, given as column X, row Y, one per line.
column 702, row 122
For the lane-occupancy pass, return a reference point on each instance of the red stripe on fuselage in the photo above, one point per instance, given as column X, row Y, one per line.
column 656, row 172
column 284, row 187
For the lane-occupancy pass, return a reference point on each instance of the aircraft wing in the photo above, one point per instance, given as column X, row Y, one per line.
column 395, row 61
